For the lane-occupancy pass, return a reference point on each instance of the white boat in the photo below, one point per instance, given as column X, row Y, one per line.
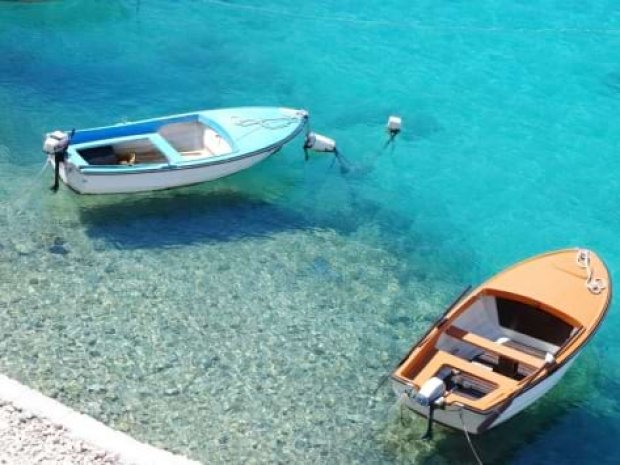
column 171, row 151
column 508, row 342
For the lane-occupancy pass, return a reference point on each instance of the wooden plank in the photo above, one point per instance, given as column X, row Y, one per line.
column 450, row 360
column 494, row 347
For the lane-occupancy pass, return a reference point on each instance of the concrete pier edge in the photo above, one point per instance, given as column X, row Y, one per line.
column 128, row 450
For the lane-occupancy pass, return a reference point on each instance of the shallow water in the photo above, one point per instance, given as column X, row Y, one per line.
column 250, row 319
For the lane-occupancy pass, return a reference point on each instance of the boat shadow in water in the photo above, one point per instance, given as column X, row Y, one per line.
column 182, row 219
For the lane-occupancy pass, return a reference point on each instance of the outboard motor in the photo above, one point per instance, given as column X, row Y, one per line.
column 428, row 396
column 393, row 128
column 56, row 144
column 430, row 391
column 322, row 144
column 394, row 125
column 318, row 143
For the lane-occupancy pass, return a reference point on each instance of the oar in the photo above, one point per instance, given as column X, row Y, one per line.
column 450, row 307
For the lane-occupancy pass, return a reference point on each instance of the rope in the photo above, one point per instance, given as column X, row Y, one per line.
column 412, row 24
column 471, row 444
column 460, row 410
column 596, row 285
column 400, row 403
column 25, row 194
column 267, row 123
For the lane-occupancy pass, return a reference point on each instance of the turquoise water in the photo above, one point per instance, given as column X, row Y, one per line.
column 249, row 320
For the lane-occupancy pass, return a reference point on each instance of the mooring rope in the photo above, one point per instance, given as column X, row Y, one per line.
column 594, row 285
column 413, row 24
column 471, row 444
column 25, row 194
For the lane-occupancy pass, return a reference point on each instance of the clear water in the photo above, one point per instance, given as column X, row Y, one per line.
column 250, row 320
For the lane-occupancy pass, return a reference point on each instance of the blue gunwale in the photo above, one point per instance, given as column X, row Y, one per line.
column 134, row 128
column 147, row 129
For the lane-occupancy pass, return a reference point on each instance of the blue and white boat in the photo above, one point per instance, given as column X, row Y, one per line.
column 171, row 151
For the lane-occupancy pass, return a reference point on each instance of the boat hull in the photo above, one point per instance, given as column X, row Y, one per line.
column 480, row 422
column 156, row 179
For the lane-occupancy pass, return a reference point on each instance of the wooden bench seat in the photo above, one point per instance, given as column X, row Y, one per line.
column 494, row 347
column 474, row 369
column 442, row 358
column 504, row 385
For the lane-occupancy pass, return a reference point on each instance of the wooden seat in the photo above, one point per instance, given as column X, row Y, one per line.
column 215, row 143
column 444, row 359
column 475, row 370
column 491, row 346
column 503, row 386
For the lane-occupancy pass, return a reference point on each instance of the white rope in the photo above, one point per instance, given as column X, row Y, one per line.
column 18, row 200
column 471, row 445
column 594, row 285
column 267, row 123
column 410, row 24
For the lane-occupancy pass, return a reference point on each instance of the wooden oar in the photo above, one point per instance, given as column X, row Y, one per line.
column 450, row 307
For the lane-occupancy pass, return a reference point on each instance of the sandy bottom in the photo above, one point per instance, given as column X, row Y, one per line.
column 222, row 327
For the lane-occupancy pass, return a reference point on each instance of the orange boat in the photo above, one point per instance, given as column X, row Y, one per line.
column 504, row 345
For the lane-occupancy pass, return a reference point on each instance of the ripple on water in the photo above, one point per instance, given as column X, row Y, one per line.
column 265, row 345
column 249, row 320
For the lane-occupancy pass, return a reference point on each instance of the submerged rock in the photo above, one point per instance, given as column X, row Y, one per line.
column 24, row 248
column 612, row 81
column 58, row 249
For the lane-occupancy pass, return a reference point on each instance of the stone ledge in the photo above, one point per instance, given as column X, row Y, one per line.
column 126, row 450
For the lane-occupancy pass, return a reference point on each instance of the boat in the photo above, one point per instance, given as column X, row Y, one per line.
column 170, row 151
column 502, row 346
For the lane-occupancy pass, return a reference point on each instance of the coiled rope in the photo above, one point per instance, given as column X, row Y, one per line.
column 412, row 24
column 594, row 285
column 266, row 123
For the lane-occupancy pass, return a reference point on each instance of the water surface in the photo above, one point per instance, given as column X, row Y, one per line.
column 249, row 320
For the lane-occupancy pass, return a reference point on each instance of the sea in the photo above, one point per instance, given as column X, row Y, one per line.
column 251, row 320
